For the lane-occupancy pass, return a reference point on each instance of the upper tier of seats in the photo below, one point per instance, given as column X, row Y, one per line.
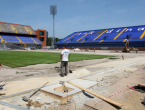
column 134, row 33
column 15, row 28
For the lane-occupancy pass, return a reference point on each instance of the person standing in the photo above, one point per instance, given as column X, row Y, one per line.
column 65, row 54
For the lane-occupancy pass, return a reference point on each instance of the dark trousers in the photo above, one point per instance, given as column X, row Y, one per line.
column 64, row 64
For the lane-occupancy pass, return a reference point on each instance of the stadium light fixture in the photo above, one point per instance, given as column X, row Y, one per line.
column 53, row 12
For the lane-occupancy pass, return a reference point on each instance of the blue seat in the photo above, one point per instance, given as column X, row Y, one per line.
column 9, row 38
column 66, row 39
column 14, row 39
column 37, row 40
column 106, row 36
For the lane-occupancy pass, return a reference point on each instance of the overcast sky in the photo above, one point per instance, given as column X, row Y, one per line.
column 73, row 15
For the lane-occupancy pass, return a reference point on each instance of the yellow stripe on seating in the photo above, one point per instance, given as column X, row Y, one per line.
column 20, row 40
column 13, row 29
column 34, row 41
column 101, row 41
column 2, row 40
column 142, row 35
column 70, row 37
column 83, row 41
column 84, row 36
column 28, row 31
column 100, row 35
column 68, row 41
column 124, row 40
column 120, row 33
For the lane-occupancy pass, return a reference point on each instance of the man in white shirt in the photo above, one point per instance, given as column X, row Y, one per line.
column 64, row 61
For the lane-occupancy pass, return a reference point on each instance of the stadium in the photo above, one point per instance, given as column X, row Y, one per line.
column 113, row 38
column 17, row 36
column 93, row 59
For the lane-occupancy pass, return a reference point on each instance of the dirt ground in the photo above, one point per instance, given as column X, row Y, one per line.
column 51, row 70
column 130, row 99
column 30, row 77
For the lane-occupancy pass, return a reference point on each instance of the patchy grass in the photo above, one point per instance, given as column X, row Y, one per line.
column 24, row 58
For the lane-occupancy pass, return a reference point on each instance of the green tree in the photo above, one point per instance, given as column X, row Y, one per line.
column 49, row 40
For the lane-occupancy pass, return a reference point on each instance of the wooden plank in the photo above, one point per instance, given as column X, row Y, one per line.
column 97, row 95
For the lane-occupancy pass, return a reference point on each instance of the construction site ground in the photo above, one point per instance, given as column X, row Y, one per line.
column 112, row 75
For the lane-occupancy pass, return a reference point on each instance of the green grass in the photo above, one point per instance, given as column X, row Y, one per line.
column 24, row 58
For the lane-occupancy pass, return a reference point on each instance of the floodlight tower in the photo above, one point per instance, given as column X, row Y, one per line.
column 53, row 11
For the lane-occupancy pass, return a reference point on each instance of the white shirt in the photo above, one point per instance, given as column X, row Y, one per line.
column 65, row 53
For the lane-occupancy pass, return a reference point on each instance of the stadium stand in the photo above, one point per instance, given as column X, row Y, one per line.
column 17, row 36
column 30, row 30
column 5, row 28
column 20, row 29
column 113, row 37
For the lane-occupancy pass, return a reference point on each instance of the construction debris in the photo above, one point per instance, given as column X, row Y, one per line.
column 1, row 85
column 143, row 101
column 87, row 95
column 2, row 94
column 24, row 71
column 65, row 93
column 139, row 88
column 43, row 104
column 97, row 95
column 27, row 98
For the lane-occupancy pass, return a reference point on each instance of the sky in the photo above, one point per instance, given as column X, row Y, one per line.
column 73, row 15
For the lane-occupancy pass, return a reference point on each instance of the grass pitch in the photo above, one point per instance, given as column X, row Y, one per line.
column 24, row 58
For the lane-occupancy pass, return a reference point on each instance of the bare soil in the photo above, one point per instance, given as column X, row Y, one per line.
column 25, row 78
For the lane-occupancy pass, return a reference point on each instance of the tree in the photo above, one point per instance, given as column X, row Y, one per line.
column 50, row 38
column 57, row 39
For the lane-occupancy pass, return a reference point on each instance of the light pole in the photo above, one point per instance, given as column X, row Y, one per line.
column 53, row 11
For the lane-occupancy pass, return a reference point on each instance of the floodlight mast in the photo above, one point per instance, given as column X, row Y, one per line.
column 53, row 11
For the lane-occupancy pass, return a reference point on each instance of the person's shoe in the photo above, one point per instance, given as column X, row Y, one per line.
column 61, row 75
column 65, row 74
